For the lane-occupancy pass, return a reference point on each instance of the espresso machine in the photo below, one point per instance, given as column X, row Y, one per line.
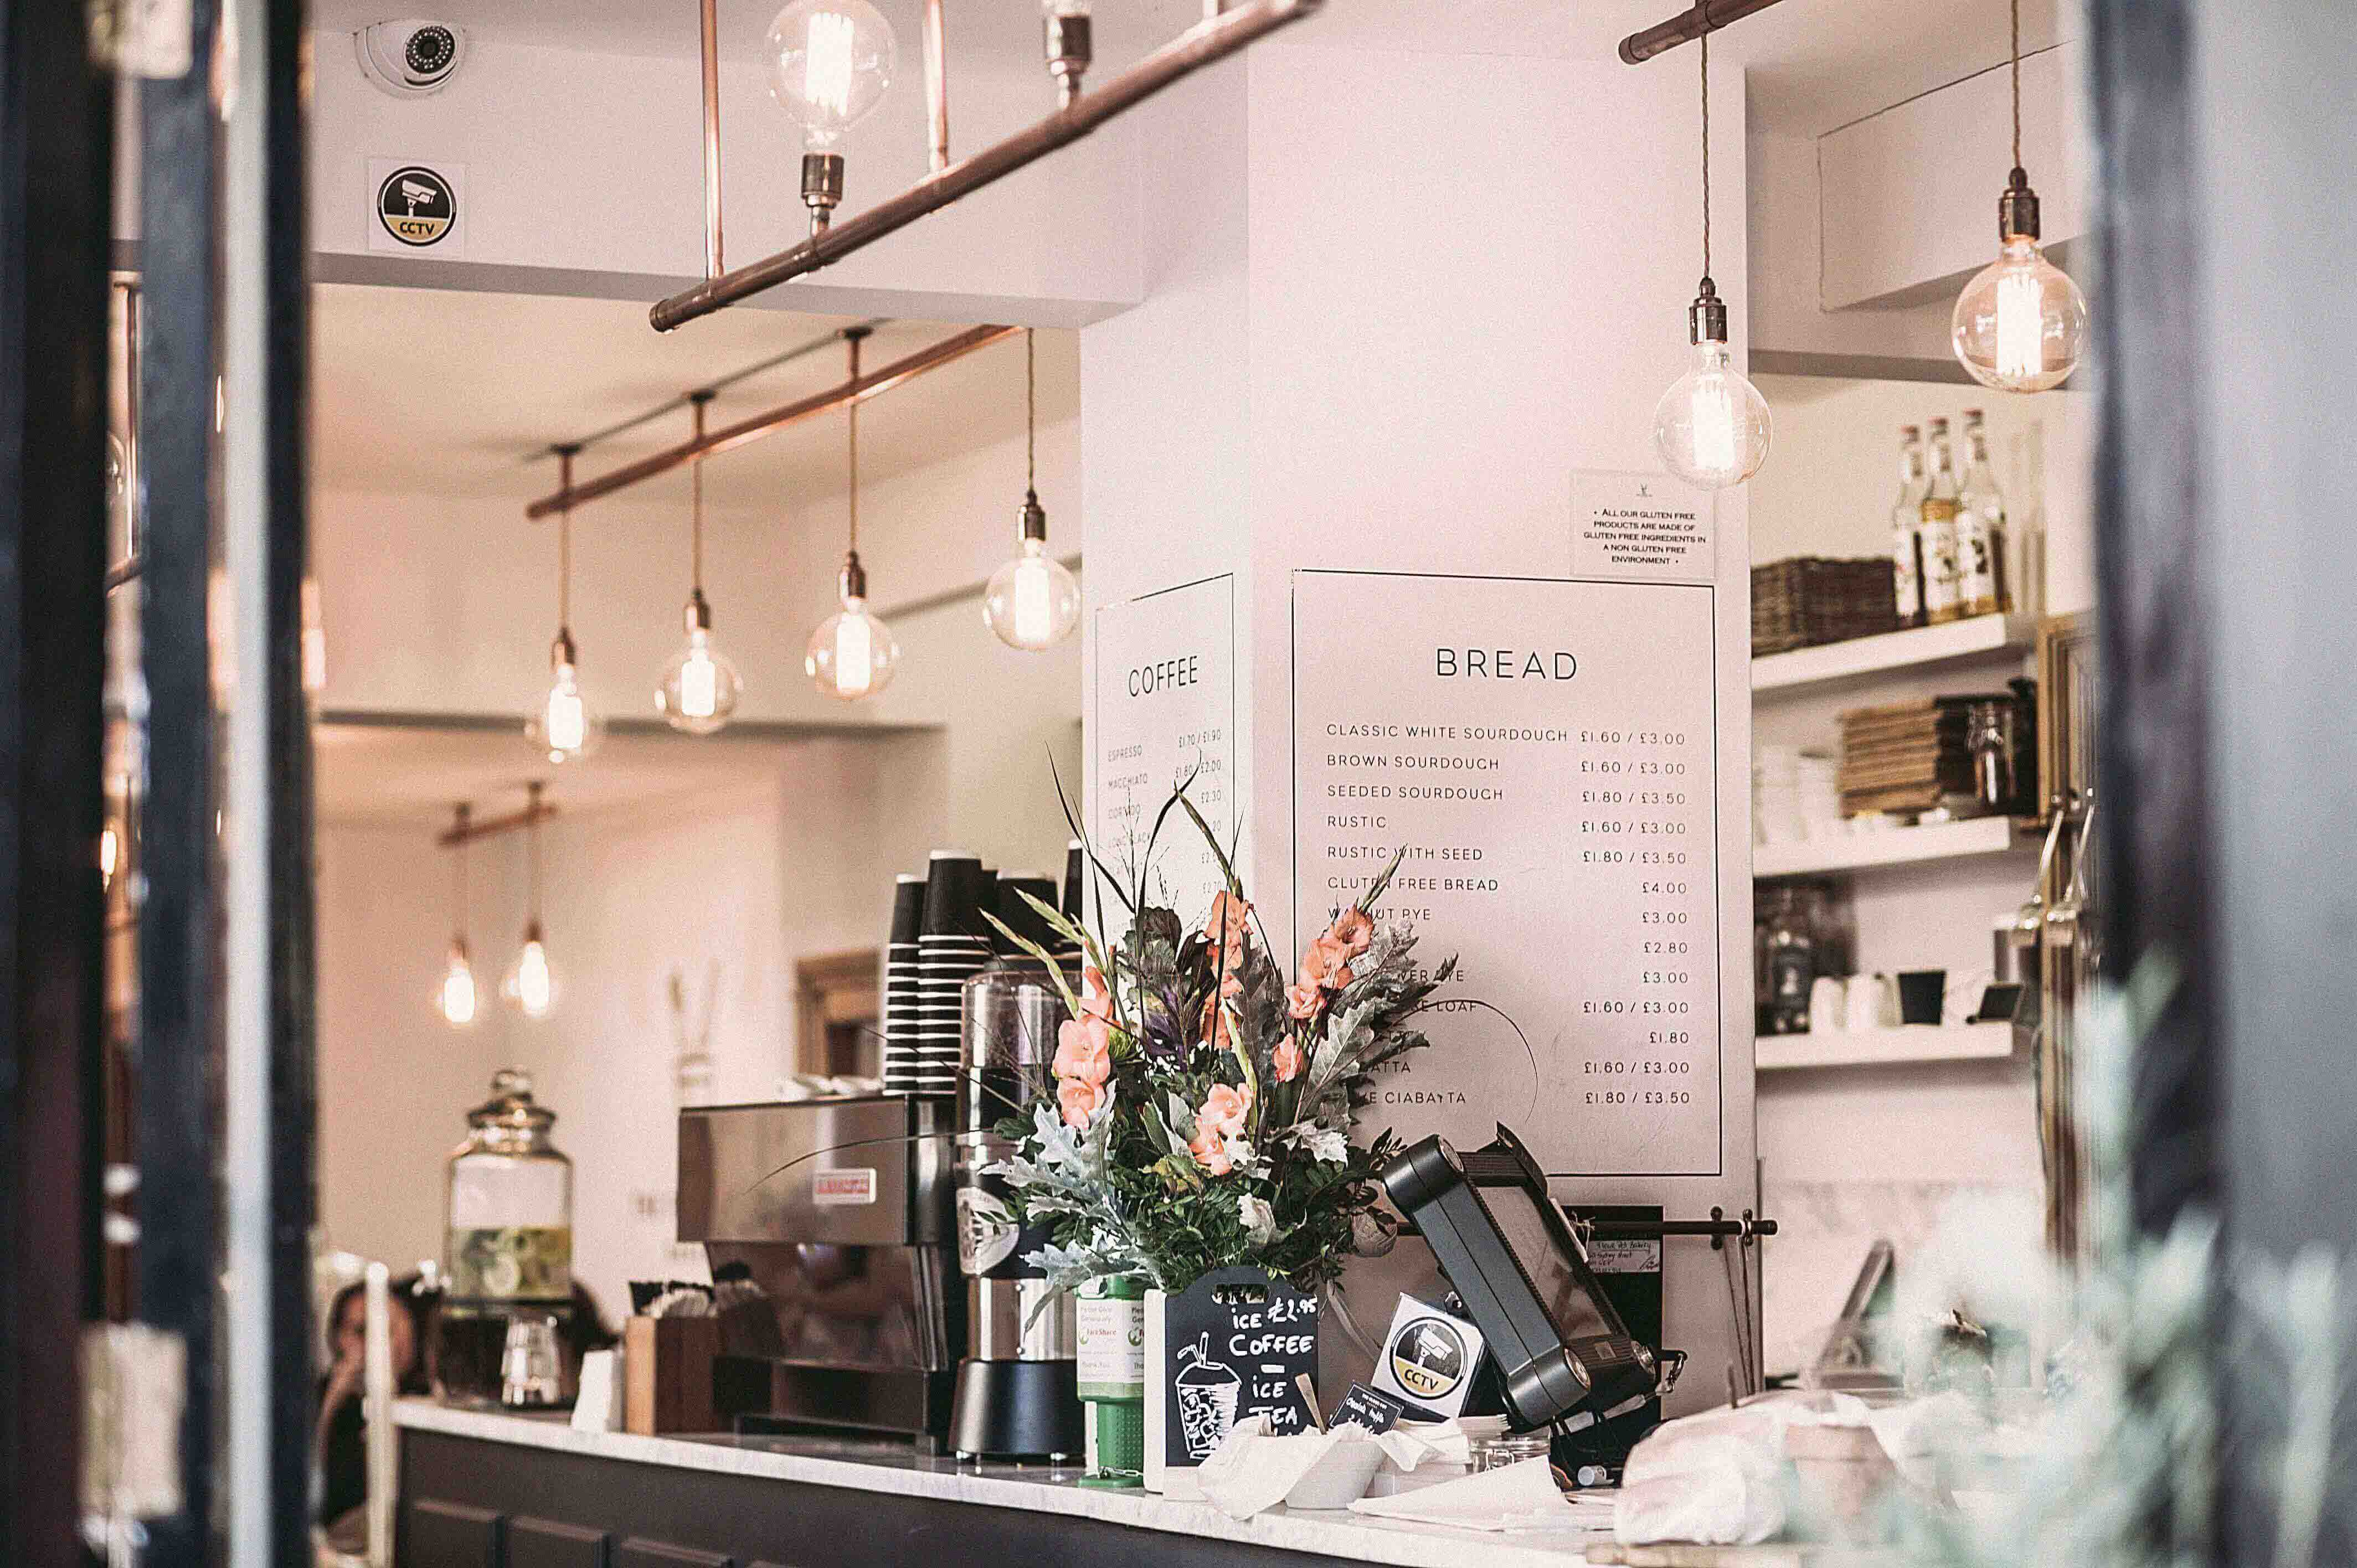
column 827, row 1225
column 1018, row 1388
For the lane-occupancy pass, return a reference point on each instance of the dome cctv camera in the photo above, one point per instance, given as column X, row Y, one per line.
column 411, row 59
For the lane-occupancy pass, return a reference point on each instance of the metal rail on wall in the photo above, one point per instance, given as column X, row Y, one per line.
column 1222, row 32
column 1706, row 17
column 728, row 438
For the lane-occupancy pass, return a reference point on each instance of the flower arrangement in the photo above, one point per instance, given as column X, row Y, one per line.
column 1204, row 1098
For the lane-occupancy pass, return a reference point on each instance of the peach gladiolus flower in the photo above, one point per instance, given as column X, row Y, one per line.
column 1212, row 1153
column 1353, row 931
column 1224, row 1112
column 1079, row 1100
column 1096, row 996
column 1286, row 1060
column 1084, row 1051
column 1230, row 919
column 1302, row 1001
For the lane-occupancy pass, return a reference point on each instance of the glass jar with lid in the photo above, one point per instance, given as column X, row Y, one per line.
column 509, row 1191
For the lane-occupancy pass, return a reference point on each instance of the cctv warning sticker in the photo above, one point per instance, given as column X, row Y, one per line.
column 416, row 208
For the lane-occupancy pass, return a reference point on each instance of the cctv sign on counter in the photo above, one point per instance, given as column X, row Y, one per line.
column 416, row 209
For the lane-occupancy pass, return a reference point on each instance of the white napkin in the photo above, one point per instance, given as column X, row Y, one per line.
column 1517, row 1497
column 598, row 1406
column 1252, row 1471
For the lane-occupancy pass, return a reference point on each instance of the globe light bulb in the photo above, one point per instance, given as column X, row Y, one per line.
column 455, row 997
column 566, row 728
column 852, row 654
column 2021, row 324
column 700, row 685
column 1032, row 602
column 531, row 983
column 1712, row 426
column 830, row 62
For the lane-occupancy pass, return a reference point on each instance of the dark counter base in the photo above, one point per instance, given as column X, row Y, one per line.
column 466, row 1503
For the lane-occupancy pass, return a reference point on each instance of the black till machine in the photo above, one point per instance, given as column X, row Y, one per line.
column 1565, row 1359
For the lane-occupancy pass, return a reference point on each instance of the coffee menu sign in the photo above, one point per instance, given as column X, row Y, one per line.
column 1545, row 750
column 1162, row 714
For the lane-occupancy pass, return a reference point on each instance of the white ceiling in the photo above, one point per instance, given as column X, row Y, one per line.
column 1814, row 64
column 405, row 777
column 395, row 408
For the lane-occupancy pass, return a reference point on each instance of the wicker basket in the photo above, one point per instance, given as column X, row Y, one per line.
column 1810, row 599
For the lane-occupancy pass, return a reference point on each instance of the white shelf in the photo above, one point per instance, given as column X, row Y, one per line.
column 1879, row 1047
column 1833, row 661
column 1891, row 846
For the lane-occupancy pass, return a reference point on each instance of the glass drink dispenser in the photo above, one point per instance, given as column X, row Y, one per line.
column 508, row 1247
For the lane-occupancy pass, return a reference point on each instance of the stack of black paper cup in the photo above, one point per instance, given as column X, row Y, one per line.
column 953, row 946
column 900, row 985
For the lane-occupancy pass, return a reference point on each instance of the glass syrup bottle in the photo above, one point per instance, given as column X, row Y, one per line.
column 1906, row 525
column 1980, row 526
column 1943, row 595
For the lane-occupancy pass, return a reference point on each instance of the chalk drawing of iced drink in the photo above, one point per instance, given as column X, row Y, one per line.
column 1207, row 1398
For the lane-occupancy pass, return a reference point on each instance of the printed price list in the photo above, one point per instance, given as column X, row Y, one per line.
column 1543, row 753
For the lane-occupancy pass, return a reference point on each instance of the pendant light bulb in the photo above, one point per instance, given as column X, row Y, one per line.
column 1032, row 602
column 852, row 654
column 2020, row 324
column 455, row 997
column 567, row 728
column 1712, row 426
column 700, row 686
column 830, row 63
column 531, row 983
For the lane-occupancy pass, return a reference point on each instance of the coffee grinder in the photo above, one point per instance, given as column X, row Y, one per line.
column 1018, row 1387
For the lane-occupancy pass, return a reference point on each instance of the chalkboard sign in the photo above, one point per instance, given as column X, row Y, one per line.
column 1234, row 1343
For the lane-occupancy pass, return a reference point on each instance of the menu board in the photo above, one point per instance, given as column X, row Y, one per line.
column 1164, row 714
column 1545, row 751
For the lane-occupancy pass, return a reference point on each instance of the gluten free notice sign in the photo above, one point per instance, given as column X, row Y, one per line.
column 1641, row 528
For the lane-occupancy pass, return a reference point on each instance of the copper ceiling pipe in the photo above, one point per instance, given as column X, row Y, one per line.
column 728, row 438
column 1208, row 41
column 713, row 266
column 1704, row 16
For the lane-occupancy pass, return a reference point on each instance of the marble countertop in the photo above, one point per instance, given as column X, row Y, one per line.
column 889, row 1467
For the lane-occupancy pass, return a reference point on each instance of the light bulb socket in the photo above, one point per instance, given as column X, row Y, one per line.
column 697, row 616
column 1070, row 52
column 562, row 652
column 822, row 187
column 458, row 949
column 531, row 931
column 1033, row 517
column 1706, row 317
column 855, row 577
column 2016, row 209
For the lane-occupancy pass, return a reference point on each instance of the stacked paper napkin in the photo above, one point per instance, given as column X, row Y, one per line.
column 1513, row 1498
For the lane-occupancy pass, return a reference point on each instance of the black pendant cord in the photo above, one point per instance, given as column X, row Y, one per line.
column 2016, row 83
column 1706, row 143
column 1031, row 416
column 852, row 418
column 461, row 819
column 696, row 501
column 565, row 546
column 531, row 856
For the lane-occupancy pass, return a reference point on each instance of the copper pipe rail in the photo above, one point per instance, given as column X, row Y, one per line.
column 1704, row 16
column 469, row 830
column 1208, row 42
column 728, row 438
column 712, row 266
